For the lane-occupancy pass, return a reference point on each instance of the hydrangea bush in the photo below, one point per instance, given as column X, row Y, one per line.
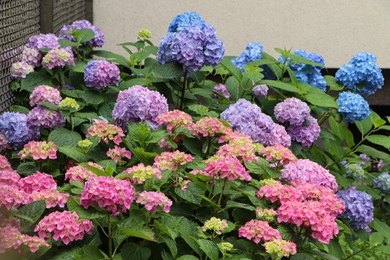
column 180, row 152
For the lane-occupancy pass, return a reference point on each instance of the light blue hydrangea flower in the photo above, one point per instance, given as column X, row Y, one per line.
column 14, row 127
column 253, row 52
column 383, row 182
column 353, row 107
column 184, row 20
column 355, row 171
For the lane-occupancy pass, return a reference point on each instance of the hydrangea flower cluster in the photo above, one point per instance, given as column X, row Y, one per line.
column 19, row 70
column 154, row 199
column 306, row 171
column 100, row 73
column 353, row 107
column 174, row 119
column 86, row 143
column 39, row 150
column 58, row 58
column 45, row 93
column 292, row 111
column 383, row 182
column 266, row 214
column 221, row 89
column 144, row 34
column 11, row 195
column 306, row 133
column 253, row 52
column 44, row 118
column 359, row 209
column 140, row 173
column 280, row 248
column 260, row 91
column 80, row 173
column 11, row 238
column 225, row 247
column 118, row 154
column 109, row 193
column 191, row 42
column 37, row 182
column 278, row 155
column 98, row 39
column 139, row 104
column 4, row 143
column 355, row 171
column 259, row 231
column 171, row 160
column 308, row 73
column 52, row 197
column 4, row 164
column 69, row 103
column 40, row 41
column 32, row 57
column 208, row 127
column 216, row 225
column 64, row 225
column 106, row 132
column 312, row 206
column 361, row 74
column 13, row 127
column 9, row 176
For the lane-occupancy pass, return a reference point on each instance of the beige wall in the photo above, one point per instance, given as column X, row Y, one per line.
column 337, row 29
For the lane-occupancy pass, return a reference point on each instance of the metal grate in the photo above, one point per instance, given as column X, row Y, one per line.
column 66, row 11
column 19, row 19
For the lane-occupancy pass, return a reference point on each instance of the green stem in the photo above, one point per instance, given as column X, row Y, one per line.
column 220, row 196
column 324, row 117
column 183, row 90
column 109, row 237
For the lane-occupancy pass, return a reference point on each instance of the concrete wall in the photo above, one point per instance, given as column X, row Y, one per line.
column 337, row 29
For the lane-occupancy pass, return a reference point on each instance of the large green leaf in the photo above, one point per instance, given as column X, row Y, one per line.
column 64, row 137
column 142, row 232
column 84, row 35
column 29, row 214
column 163, row 72
column 331, row 82
column 135, row 252
column 370, row 151
column 364, row 126
column 73, row 153
column 209, row 248
column 27, row 168
column 281, row 85
column 233, row 86
column 380, row 140
column 227, row 64
column 34, row 79
column 321, row 99
column 193, row 194
column 91, row 213
column 92, row 97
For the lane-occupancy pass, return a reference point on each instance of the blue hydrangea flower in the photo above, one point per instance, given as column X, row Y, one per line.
column 353, row 107
column 100, row 73
column 383, row 182
column 98, row 39
column 361, row 74
column 14, row 127
column 355, row 171
column 359, row 208
column 253, row 52
column 185, row 20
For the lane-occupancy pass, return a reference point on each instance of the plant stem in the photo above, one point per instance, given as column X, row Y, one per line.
column 109, row 237
column 323, row 117
column 183, row 90
column 220, row 196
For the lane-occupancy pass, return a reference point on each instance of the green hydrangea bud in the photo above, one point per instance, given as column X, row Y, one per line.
column 215, row 224
column 144, row 34
column 225, row 247
column 84, row 143
column 69, row 103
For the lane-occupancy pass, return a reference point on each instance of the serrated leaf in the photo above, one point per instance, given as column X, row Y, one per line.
column 364, row 126
column 233, row 86
column 84, row 35
column 92, row 97
column 66, row 42
column 209, row 248
column 193, row 194
column 33, row 211
column 27, row 168
column 376, row 238
column 34, row 79
column 91, row 213
column 73, row 153
column 138, row 231
column 331, row 82
column 321, row 100
column 113, row 57
column 228, row 65
column 235, row 204
column 163, row 72
column 135, row 252
column 64, row 137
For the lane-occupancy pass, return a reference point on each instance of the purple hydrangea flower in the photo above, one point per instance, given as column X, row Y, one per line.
column 253, row 52
column 14, row 127
column 359, row 208
column 139, row 104
column 98, row 39
column 32, row 57
column 260, row 91
column 100, row 73
column 279, row 136
column 45, row 93
column 58, row 58
column 213, row 48
column 41, row 117
column 20, row 70
column 185, row 20
column 220, row 88
column 361, row 74
column 4, row 143
column 39, row 41
column 306, row 133
column 247, row 118
column 380, row 165
column 353, row 107
column 292, row 111
column 383, row 182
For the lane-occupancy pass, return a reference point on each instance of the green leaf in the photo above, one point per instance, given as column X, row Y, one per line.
column 372, row 152
column 281, row 85
column 187, row 257
column 33, row 211
column 235, row 204
column 34, row 79
column 135, row 252
column 133, row 82
column 323, row 255
column 138, row 231
column 91, row 213
column 380, row 140
column 302, row 256
column 233, row 86
column 84, row 35
column 163, row 72
column 92, row 97
column 335, row 249
column 209, row 248
column 321, row 99
column 145, row 157
column 113, row 57
column 381, row 227
column 79, row 67
column 376, row 119
column 27, row 168
column 64, row 137
column 73, row 153
column 227, row 64
column 193, row 194
column 66, row 42
column 376, row 238
column 364, row 126
column 331, row 82
column 20, row 109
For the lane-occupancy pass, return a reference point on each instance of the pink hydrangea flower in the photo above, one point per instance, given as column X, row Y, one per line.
column 11, row 238
column 109, row 193
column 117, row 154
column 106, row 132
column 45, row 93
column 221, row 89
column 58, row 58
column 33, row 242
column 39, row 150
column 258, row 231
column 278, row 191
column 239, row 146
column 174, row 119
column 21, row 69
column 266, row 214
column 80, row 173
column 32, row 56
column 9, row 176
column 153, row 199
column 304, row 170
column 37, row 182
column 64, row 225
column 209, row 127
column 11, row 195
column 140, row 173
column 4, row 164
column 278, row 155
column 279, row 136
column 52, row 197
column 171, row 160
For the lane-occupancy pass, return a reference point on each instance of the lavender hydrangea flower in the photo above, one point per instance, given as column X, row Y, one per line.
column 100, row 73
column 220, row 88
column 185, row 20
column 292, row 111
column 359, row 208
column 14, row 127
column 279, row 136
column 247, row 118
column 4, row 143
column 58, row 58
column 253, row 52
column 383, row 182
column 45, row 93
column 353, row 107
column 139, row 104
column 41, row 117
column 32, row 57
column 260, row 91
column 98, row 39
column 20, row 70
column 39, row 41
column 306, row 133
column 361, row 74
